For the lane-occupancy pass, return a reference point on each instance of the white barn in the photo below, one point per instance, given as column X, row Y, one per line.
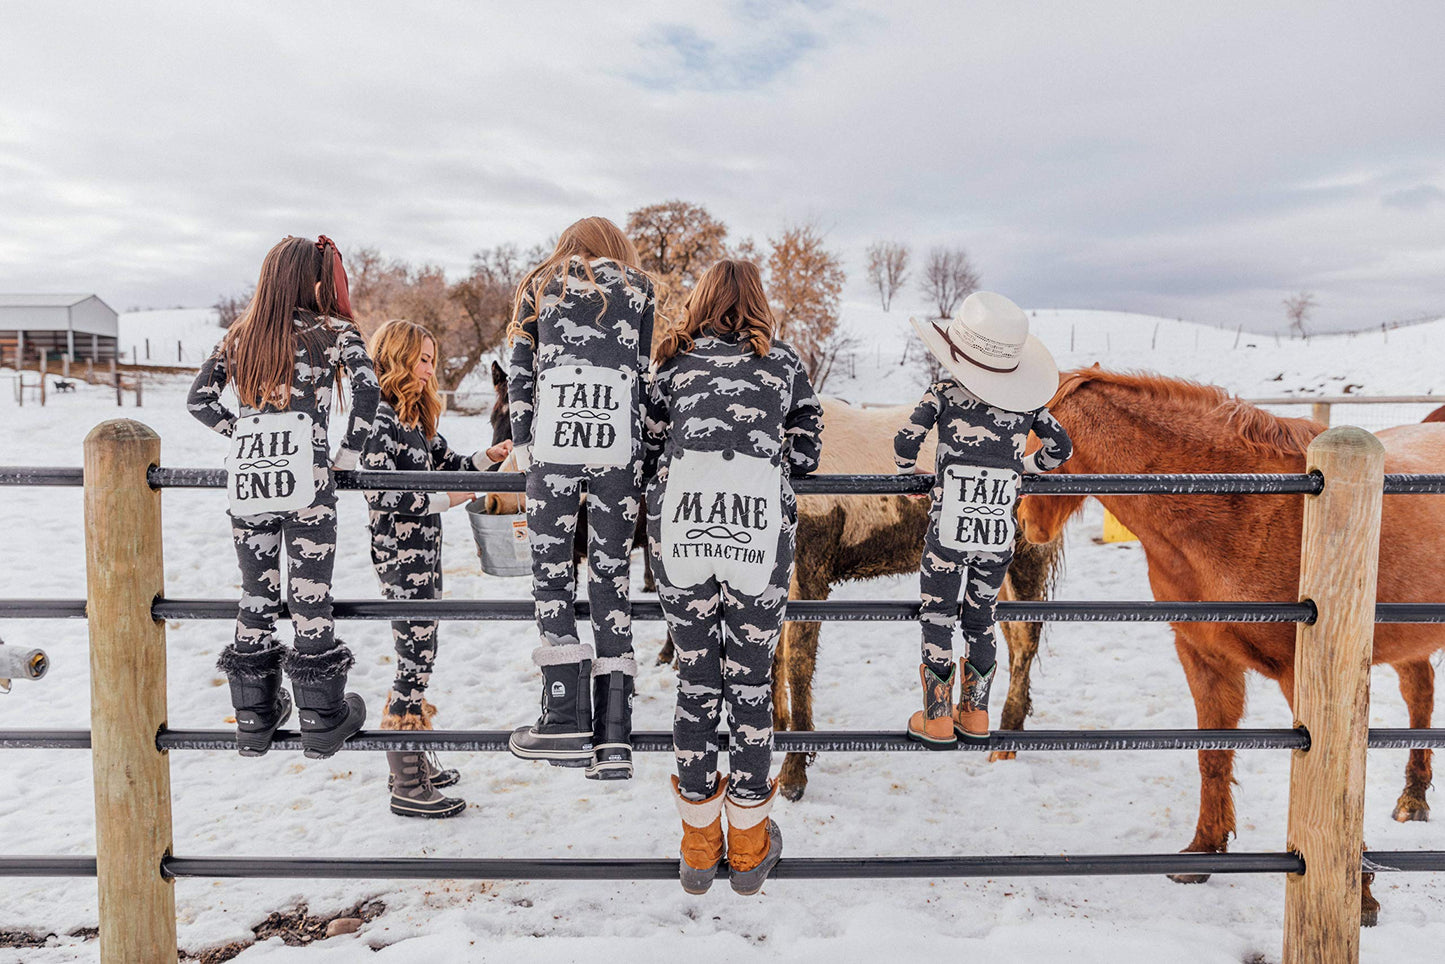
column 80, row 325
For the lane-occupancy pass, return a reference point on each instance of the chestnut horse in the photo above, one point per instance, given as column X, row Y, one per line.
column 1244, row 547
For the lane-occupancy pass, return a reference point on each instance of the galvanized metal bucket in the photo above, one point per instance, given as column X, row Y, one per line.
column 502, row 543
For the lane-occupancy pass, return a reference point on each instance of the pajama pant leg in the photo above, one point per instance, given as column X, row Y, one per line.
column 415, row 640
column 986, row 572
column 552, row 505
column 258, row 552
column 752, row 626
column 613, row 500
column 696, row 630
column 310, row 536
column 940, row 577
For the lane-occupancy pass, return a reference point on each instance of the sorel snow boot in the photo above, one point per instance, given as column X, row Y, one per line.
column 562, row 735
column 412, row 794
column 702, row 837
column 262, row 704
column 612, row 727
column 754, row 842
column 970, row 720
column 933, row 725
column 329, row 714
column 393, row 718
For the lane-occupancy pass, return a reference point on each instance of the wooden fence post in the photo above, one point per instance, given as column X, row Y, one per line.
column 1320, row 412
column 1339, row 558
column 128, row 694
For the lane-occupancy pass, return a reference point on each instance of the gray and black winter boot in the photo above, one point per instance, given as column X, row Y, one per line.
column 611, row 727
column 562, row 735
column 262, row 704
column 412, row 794
column 329, row 714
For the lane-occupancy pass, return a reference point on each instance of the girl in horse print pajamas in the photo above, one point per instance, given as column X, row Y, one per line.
column 730, row 416
column 580, row 340
column 981, row 457
column 406, row 542
column 283, row 357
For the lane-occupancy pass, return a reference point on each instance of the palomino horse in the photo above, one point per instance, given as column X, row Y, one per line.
column 1244, row 547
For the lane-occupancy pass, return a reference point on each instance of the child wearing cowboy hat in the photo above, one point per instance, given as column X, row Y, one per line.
column 1001, row 378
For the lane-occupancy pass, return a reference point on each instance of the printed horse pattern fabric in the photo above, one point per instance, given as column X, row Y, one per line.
column 721, row 398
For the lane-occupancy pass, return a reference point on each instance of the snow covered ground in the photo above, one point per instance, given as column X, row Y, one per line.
column 1090, row 675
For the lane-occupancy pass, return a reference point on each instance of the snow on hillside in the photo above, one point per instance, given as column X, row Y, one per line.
column 178, row 337
column 1090, row 675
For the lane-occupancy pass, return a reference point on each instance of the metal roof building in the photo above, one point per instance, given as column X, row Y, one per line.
column 80, row 325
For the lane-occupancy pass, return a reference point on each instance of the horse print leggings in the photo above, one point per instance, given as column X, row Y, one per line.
column 943, row 573
column 415, row 639
column 310, row 538
column 554, row 498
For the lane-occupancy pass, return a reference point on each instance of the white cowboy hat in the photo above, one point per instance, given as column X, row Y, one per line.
column 989, row 350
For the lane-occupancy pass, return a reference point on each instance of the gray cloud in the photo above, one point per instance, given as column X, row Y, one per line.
column 1195, row 162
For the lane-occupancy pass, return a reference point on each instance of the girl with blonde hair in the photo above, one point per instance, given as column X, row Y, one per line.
column 580, row 334
column 731, row 417
column 406, row 544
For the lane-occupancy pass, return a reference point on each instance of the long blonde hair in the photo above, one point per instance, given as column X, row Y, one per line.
column 395, row 349
column 588, row 239
column 728, row 298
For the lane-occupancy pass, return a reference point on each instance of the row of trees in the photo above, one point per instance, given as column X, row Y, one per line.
column 676, row 242
column 948, row 275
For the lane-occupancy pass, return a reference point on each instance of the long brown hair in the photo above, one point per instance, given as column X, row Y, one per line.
column 260, row 348
column 729, row 298
column 395, row 349
column 588, row 239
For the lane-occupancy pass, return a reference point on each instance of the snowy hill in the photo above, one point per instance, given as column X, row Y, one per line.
column 194, row 331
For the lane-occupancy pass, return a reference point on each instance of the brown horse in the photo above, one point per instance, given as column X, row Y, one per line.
column 1244, row 547
column 843, row 538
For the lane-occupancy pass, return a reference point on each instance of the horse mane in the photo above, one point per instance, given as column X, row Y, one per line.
column 1260, row 431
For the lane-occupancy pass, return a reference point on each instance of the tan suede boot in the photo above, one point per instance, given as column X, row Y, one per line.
column 933, row 725
column 754, row 842
column 391, row 719
column 970, row 720
column 702, row 837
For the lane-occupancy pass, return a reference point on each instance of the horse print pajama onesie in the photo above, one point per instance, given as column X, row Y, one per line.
column 309, row 533
column 726, row 429
column 971, row 518
column 574, row 387
column 406, row 542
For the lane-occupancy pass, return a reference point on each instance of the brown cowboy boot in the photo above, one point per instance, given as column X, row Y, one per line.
column 754, row 842
column 702, row 837
column 933, row 725
column 971, row 717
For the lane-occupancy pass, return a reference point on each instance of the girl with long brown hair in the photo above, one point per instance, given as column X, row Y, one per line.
column 731, row 417
column 283, row 358
column 406, row 544
column 580, row 334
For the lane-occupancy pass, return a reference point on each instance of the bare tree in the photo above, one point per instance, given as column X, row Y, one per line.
column 229, row 308
column 948, row 278
column 677, row 242
column 1298, row 309
column 805, row 285
column 888, row 269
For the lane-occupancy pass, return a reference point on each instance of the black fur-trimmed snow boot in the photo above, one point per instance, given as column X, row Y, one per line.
column 612, row 689
column 329, row 714
column 412, row 794
column 562, row 735
column 262, row 704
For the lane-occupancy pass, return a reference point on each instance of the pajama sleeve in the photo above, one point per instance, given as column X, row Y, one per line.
column 204, row 401
column 522, row 376
column 379, row 455
column 365, row 391
column 1056, row 447
column 803, row 425
column 909, row 439
column 654, row 420
column 649, row 321
column 443, row 459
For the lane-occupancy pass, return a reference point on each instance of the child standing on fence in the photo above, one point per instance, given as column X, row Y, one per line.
column 283, row 358
column 580, row 338
column 1001, row 378
column 406, row 545
column 731, row 416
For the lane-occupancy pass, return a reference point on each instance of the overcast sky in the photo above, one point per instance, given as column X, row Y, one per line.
column 1195, row 160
